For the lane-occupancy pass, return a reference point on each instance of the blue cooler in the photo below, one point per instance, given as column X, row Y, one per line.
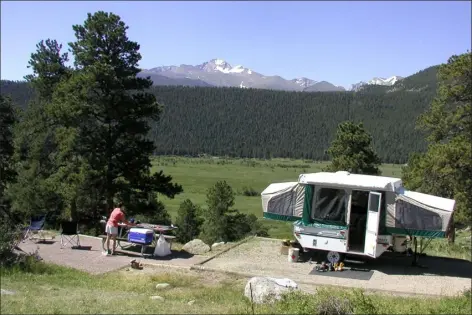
column 140, row 236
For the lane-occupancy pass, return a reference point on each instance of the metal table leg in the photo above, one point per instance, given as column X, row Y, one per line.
column 120, row 235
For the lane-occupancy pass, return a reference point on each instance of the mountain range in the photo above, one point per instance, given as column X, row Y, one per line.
column 219, row 73
column 259, row 123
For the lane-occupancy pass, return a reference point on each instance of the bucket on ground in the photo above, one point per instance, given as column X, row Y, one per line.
column 284, row 249
column 293, row 254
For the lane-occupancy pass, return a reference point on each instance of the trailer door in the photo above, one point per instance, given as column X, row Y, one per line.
column 372, row 228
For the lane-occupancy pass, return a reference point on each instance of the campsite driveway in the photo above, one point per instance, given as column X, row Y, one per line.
column 91, row 260
column 261, row 257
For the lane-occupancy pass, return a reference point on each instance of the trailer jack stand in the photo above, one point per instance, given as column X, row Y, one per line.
column 415, row 263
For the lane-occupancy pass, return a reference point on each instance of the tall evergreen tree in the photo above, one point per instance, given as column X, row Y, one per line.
column 9, row 234
column 7, row 172
column 446, row 168
column 352, row 151
column 106, row 104
column 36, row 141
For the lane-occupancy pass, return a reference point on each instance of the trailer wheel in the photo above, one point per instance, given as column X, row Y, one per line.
column 335, row 257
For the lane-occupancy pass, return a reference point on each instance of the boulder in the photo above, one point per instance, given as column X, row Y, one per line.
column 267, row 290
column 215, row 245
column 161, row 286
column 156, row 297
column 7, row 292
column 196, row 247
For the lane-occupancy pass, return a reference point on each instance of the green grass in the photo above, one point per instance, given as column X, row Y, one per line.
column 196, row 175
column 460, row 249
column 50, row 289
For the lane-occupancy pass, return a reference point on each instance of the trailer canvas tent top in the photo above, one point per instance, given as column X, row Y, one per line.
column 355, row 213
column 285, row 200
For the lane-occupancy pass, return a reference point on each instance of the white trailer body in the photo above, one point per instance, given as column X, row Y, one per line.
column 365, row 215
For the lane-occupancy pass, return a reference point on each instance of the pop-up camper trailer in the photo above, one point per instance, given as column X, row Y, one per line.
column 343, row 213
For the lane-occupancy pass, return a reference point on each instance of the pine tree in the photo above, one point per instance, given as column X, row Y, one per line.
column 188, row 221
column 108, row 106
column 36, row 190
column 7, row 172
column 352, row 151
column 446, row 168
column 220, row 199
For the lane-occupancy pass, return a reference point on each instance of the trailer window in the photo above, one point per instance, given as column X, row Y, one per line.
column 410, row 216
column 330, row 205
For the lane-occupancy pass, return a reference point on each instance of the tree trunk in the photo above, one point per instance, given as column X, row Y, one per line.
column 451, row 237
column 97, row 212
column 73, row 209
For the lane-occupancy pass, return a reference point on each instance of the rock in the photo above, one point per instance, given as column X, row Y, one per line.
column 217, row 244
column 196, row 247
column 267, row 290
column 156, row 297
column 161, row 286
column 191, row 302
column 7, row 292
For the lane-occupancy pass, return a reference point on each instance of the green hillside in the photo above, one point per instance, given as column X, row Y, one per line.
column 265, row 123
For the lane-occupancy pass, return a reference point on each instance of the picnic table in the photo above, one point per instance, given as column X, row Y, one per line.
column 158, row 231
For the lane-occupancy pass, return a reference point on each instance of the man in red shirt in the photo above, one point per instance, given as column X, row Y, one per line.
column 111, row 229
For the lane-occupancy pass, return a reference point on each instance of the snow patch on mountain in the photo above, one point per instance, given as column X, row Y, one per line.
column 304, row 82
column 382, row 81
column 377, row 81
column 220, row 65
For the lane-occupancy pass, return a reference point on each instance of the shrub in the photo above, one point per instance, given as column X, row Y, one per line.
column 9, row 238
column 362, row 303
column 334, row 306
column 241, row 225
column 249, row 192
column 188, row 221
column 223, row 223
column 10, row 255
column 220, row 198
column 257, row 228
column 152, row 211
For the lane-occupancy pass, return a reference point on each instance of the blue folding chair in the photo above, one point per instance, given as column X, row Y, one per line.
column 35, row 228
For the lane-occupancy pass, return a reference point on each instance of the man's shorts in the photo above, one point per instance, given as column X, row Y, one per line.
column 110, row 229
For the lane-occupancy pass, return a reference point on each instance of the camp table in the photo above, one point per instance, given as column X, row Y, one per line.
column 158, row 231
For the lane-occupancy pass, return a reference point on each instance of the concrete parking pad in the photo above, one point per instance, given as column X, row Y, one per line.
column 261, row 257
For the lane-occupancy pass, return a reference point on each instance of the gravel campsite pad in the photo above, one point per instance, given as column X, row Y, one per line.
column 92, row 260
column 261, row 257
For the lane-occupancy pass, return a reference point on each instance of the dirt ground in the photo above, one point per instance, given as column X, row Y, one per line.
column 261, row 257
column 91, row 259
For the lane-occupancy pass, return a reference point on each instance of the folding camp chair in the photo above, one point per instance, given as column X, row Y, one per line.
column 70, row 233
column 35, row 228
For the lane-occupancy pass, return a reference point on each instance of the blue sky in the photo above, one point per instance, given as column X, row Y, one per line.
column 340, row 42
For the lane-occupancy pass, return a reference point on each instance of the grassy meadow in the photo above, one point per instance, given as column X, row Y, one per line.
column 196, row 175
column 49, row 289
column 41, row 288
